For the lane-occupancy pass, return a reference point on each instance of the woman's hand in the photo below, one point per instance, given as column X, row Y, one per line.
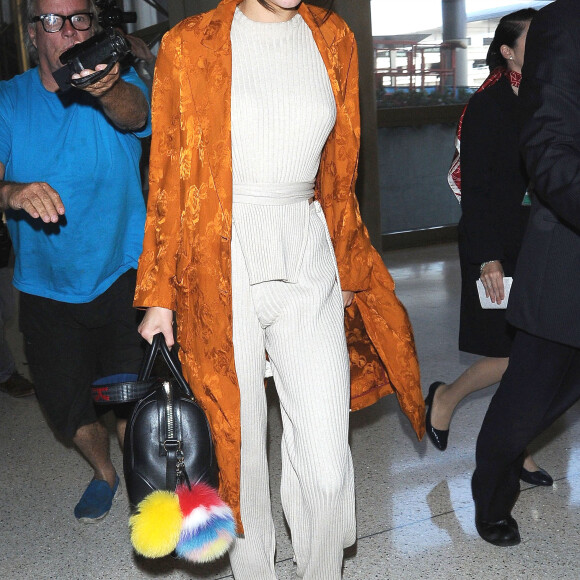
column 156, row 320
column 347, row 298
column 492, row 279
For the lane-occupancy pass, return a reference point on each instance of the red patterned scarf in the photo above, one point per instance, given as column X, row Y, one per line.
column 454, row 175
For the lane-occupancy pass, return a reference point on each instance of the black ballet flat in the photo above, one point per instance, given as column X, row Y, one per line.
column 540, row 477
column 501, row 533
column 438, row 437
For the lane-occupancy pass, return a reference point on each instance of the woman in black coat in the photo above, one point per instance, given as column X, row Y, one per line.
column 492, row 189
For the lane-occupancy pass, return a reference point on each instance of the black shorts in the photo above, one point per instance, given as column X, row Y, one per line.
column 69, row 346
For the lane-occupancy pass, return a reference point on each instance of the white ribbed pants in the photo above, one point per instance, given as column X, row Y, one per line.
column 301, row 326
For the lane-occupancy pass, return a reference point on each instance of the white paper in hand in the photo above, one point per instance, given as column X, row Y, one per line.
column 486, row 302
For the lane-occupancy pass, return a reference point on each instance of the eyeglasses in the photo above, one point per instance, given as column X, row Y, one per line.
column 54, row 22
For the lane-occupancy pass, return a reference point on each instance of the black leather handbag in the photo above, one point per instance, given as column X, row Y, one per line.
column 167, row 440
column 169, row 465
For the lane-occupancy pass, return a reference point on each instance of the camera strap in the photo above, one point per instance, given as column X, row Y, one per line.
column 90, row 79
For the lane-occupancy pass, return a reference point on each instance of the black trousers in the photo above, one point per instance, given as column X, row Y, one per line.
column 541, row 382
column 69, row 345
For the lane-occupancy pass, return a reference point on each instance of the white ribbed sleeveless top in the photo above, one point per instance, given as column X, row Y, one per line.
column 282, row 112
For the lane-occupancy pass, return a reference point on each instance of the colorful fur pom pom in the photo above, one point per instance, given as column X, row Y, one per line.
column 208, row 526
column 155, row 528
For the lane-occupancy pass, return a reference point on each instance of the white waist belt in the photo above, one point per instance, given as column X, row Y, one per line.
column 272, row 193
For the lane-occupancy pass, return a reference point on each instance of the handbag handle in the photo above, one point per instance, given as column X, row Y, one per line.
column 158, row 344
column 130, row 391
column 149, row 358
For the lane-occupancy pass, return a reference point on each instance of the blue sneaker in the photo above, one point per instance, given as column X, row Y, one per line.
column 96, row 502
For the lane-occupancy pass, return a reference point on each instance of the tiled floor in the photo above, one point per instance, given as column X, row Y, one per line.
column 415, row 515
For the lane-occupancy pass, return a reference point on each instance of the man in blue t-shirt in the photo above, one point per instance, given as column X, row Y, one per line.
column 69, row 182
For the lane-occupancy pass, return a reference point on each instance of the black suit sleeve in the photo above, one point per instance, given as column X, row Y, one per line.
column 550, row 95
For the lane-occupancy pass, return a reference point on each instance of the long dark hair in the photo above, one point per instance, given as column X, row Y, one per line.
column 328, row 5
column 509, row 29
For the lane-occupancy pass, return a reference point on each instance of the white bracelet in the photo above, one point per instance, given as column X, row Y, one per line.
column 484, row 264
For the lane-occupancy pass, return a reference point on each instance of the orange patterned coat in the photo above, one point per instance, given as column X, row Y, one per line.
column 185, row 265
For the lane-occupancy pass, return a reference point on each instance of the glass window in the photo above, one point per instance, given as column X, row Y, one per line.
column 416, row 72
column 415, row 66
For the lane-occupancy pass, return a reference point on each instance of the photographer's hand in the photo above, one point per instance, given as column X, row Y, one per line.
column 123, row 103
column 102, row 86
column 37, row 199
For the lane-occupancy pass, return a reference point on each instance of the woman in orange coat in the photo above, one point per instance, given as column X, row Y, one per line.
column 254, row 239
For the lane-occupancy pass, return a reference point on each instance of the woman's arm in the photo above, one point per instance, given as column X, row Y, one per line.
column 480, row 140
column 350, row 238
column 157, row 265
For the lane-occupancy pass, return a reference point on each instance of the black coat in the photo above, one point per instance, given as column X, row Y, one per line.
column 493, row 219
column 545, row 298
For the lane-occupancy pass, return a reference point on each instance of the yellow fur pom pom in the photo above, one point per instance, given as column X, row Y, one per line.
column 156, row 526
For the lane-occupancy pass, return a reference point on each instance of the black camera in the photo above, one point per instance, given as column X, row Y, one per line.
column 110, row 15
column 107, row 47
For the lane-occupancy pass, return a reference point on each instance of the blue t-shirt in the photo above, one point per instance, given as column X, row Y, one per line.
column 67, row 141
